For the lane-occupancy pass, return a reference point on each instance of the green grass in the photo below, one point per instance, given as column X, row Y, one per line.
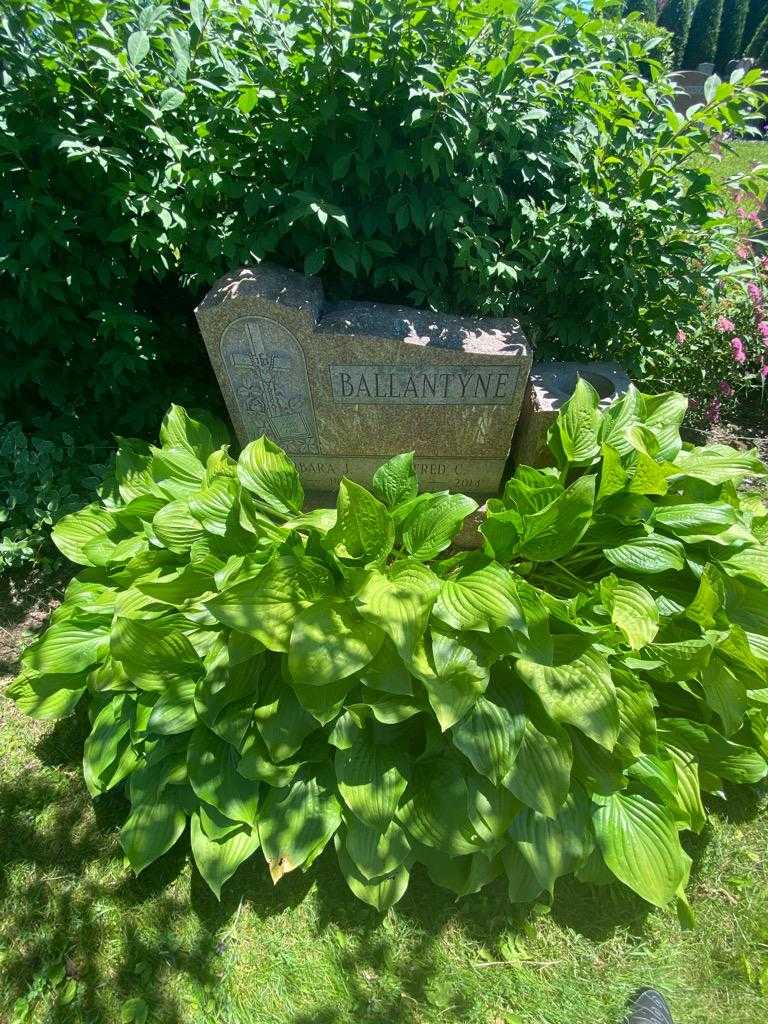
column 80, row 936
column 737, row 158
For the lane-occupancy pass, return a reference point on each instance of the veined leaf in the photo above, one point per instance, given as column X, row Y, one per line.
column 381, row 893
column 573, row 436
column 150, row 830
column 632, row 609
column 74, row 532
column 296, row 823
column 483, row 599
column 69, row 646
column 714, row 752
column 218, row 859
column 177, row 471
column 212, row 765
column 364, row 528
column 265, row 470
column 395, row 482
column 553, row 532
column 180, row 430
column 650, row 553
column 375, row 853
column 47, row 696
column 719, row 463
column 433, row 524
column 639, row 842
column 435, row 810
column 490, row 737
column 371, row 778
column 399, row 602
column 553, row 847
column 330, row 641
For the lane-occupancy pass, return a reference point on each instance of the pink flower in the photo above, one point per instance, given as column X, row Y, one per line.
column 741, row 213
column 755, row 294
column 764, row 263
column 743, row 251
column 764, row 371
column 713, row 410
column 726, row 389
column 754, row 218
column 762, row 328
column 738, row 350
column 724, row 325
column 680, row 337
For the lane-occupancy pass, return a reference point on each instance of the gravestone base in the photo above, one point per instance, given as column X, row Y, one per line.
column 344, row 386
column 550, row 386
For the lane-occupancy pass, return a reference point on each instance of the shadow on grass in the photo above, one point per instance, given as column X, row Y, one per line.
column 60, row 875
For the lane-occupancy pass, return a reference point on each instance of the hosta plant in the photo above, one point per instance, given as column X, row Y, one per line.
column 553, row 703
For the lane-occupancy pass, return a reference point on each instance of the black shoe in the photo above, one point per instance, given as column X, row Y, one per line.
column 648, row 1007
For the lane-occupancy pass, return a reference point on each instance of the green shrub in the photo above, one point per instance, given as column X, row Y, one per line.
column 758, row 40
column 704, row 33
column 40, row 481
column 731, row 39
column 645, row 8
column 676, row 18
column 488, row 159
column 758, row 9
column 552, row 704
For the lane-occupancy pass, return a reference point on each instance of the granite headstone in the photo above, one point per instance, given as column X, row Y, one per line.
column 344, row 386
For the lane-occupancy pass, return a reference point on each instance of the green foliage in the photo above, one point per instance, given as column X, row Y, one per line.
column 704, row 33
column 731, row 40
column 552, row 704
column 646, row 9
column 676, row 18
column 40, row 481
column 757, row 10
column 490, row 159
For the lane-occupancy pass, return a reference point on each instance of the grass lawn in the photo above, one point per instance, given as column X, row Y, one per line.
column 82, row 940
column 737, row 158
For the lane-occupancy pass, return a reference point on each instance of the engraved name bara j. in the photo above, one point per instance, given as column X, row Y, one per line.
column 426, row 385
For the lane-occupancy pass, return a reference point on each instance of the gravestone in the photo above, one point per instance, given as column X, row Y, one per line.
column 344, row 386
column 690, row 86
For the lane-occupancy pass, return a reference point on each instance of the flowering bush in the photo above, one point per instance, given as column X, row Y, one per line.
column 275, row 678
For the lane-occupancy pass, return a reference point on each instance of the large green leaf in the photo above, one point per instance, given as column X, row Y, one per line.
column 455, row 674
column 74, row 532
column 541, row 774
column 482, row 598
column 330, row 641
column 48, row 696
column 573, row 436
column 267, row 605
column 395, row 482
column 553, row 847
column 381, row 893
column 152, row 653
column 639, row 842
column 719, row 463
column 212, row 765
column 177, row 471
column 372, row 778
column 433, row 524
column 69, row 646
column 296, row 823
column 151, row 829
column 399, row 601
column 218, row 859
column 215, row 506
column 364, row 528
column 282, row 721
column 108, row 756
column 265, row 470
column 435, row 809
column 650, row 553
column 375, row 853
column 556, row 529
column 490, row 737
column 180, row 430
column 716, row 754
column 175, row 527
column 174, row 712
column 631, row 608
column 575, row 688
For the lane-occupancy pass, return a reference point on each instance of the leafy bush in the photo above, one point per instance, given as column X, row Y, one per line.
column 489, row 158
column 40, row 481
column 552, row 704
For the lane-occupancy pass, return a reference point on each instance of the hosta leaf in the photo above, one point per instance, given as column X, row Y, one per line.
column 433, row 524
column 133, row 472
column 719, row 463
column 296, row 823
column 214, row 506
column 106, row 744
column 150, row 830
column 461, row 875
column 380, row 893
column 175, row 526
column 435, row 809
column 573, row 436
column 639, row 842
column 399, row 602
column 553, row 847
column 556, row 529
column 483, row 599
column 330, row 641
column 152, row 653
column 576, row 690
column 662, row 414
column 175, row 710
column 266, row 606
column 177, row 587
column 387, row 671
column 455, row 675
column 372, row 778
column 47, row 696
column 180, row 430
column 72, row 534
column 212, row 766
column 265, row 470
column 523, row 886
column 69, row 646
column 650, row 553
column 688, row 789
column 375, row 853
column 725, row 693
column 490, row 737
column 282, row 721
column 632, row 609
column 218, row 859
column 177, row 472
column 714, row 752
column 364, row 527
column 541, row 774
column 751, row 562
column 395, row 482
